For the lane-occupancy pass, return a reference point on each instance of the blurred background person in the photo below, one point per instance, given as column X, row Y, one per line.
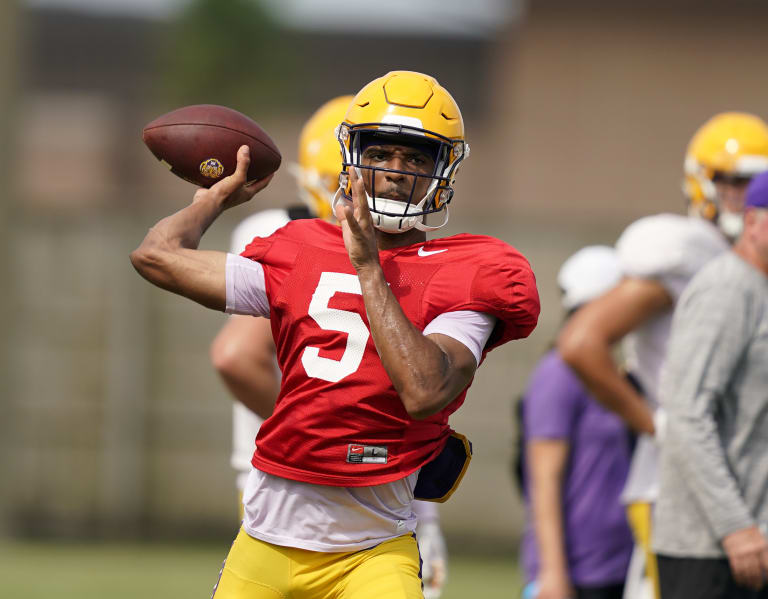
column 243, row 352
column 658, row 256
column 577, row 543
column 712, row 511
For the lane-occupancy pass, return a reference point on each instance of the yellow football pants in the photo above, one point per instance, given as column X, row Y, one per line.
column 639, row 517
column 255, row 569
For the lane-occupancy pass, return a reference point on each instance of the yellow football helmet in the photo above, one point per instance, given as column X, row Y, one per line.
column 319, row 157
column 407, row 108
column 732, row 146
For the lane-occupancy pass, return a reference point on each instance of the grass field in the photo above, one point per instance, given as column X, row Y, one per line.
column 38, row 570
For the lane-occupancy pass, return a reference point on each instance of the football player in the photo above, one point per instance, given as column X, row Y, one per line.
column 378, row 335
column 659, row 255
column 243, row 352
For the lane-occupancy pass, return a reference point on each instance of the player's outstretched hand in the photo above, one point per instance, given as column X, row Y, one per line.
column 235, row 189
column 357, row 226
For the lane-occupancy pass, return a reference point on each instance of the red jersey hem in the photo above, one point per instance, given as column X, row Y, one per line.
column 364, row 479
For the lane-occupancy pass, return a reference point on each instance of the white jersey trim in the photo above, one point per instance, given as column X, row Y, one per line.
column 468, row 327
column 246, row 289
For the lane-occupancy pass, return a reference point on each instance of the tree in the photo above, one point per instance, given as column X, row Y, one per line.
column 229, row 52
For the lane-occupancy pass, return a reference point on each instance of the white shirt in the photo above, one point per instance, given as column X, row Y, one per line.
column 669, row 249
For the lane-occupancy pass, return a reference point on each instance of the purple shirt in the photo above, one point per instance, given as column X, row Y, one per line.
column 598, row 540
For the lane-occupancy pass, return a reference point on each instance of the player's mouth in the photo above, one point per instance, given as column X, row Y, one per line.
column 393, row 194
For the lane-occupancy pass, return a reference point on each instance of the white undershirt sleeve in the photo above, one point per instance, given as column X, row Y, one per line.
column 246, row 294
column 246, row 290
column 466, row 326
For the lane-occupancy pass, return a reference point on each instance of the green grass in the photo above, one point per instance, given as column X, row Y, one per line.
column 496, row 577
column 41, row 570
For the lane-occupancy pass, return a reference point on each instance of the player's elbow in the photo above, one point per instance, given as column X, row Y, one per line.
column 147, row 260
column 573, row 345
column 153, row 258
column 421, row 404
column 421, row 412
column 225, row 356
column 429, row 392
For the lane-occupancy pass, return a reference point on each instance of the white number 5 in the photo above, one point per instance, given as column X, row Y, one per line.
column 332, row 319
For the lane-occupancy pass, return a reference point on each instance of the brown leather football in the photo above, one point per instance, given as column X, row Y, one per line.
column 199, row 143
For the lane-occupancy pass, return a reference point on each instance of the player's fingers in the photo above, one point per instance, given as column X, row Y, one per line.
column 243, row 162
column 344, row 216
column 362, row 210
column 748, row 572
column 764, row 566
column 338, row 210
column 735, row 565
column 229, row 185
column 352, row 216
column 756, row 571
column 256, row 186
column 359, row 199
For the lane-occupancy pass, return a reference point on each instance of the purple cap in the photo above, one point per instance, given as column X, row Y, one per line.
column 757, row 192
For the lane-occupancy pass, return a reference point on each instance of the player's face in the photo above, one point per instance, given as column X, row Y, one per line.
column 397, row 185
column 730, row 192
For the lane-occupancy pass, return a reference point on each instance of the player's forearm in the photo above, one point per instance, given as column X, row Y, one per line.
column 168, row 258
column 593, row 362
column 547, row 506
column 256, row 387
column 243, row 353
column 184, row 228
column 417, row 366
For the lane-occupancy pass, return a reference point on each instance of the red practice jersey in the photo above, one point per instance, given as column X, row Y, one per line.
column 338, row 420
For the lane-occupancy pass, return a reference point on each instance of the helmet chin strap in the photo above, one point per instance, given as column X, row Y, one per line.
column 425, row 227
column 378, row 219
column 337, row 197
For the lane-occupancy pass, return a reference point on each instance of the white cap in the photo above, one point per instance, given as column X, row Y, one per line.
column 587, row 274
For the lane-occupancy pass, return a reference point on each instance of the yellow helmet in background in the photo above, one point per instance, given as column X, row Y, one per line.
column 411, row 109
column 730, row 145
column 320, row 157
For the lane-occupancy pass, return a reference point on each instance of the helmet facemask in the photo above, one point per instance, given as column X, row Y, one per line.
column 397, row 215
column 707, row 200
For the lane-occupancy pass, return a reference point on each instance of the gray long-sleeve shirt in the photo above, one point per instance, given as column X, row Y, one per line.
column 714, row 389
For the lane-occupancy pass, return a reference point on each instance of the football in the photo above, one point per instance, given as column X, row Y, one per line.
column 199, row 143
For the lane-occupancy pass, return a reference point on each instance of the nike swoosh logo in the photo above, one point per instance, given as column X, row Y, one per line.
column 424, row 253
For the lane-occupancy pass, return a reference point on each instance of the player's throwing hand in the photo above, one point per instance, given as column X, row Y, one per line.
column 234, row 190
